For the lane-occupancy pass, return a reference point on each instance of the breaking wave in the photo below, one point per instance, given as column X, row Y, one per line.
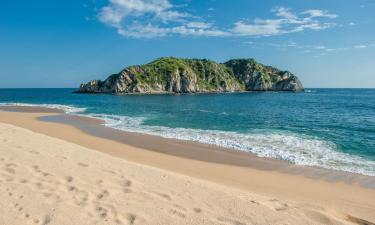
column 66, row 108
column 292, row 147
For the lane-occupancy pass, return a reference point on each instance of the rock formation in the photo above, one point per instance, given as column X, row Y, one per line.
column 174, row 75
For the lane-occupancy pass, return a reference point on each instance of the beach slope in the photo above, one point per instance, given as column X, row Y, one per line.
column 46, row 180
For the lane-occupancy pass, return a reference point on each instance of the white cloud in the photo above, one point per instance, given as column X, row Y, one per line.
column 322, row 49
column 319, row 13
column 153, row 18
column 117, row 10
column 286, row 13
column 183, row 30
column 201, row 25
column 259, row 27
column 288, row 22
column 143, row 31
column 360, row 46
column 158, row 18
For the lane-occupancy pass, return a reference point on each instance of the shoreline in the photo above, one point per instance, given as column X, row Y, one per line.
column 343, row 192
column 336, row 161
column 45, row 180
column 191, row 149
column 204, row 152
column 187, row 148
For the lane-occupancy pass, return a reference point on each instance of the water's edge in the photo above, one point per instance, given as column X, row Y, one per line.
column 285, row 146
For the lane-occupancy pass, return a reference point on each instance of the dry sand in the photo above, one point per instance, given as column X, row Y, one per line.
column 53, row 180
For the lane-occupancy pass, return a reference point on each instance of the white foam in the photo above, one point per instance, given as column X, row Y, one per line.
column 292, row 147
column 66, row 108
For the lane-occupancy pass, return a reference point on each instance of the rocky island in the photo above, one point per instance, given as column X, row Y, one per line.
column 176, row 75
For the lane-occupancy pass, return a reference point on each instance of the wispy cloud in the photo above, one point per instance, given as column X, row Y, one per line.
column 321, row 49
column 287, row 22
column 158, row 18
column 361, row 46
column 153, row 18
column 319, row 13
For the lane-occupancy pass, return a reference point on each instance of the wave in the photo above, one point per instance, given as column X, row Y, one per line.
column 294, row 148
column 66, row 108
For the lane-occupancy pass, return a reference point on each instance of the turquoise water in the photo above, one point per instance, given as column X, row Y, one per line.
column 330, row 128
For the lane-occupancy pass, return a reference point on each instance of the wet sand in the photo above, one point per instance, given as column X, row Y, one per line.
column 339, row 195
column 30, row 109
column 203, row 152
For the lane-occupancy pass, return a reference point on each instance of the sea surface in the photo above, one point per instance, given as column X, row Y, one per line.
column 329, row 128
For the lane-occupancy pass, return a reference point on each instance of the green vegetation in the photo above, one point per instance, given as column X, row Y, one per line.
column 172, row 74
column 209, row 75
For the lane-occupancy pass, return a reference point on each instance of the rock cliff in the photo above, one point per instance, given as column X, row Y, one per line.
column 174, row 75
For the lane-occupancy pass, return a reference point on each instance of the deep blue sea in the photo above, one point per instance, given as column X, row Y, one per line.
column 330, row 128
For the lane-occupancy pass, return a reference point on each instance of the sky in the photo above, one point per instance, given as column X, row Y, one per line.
column 51, row 43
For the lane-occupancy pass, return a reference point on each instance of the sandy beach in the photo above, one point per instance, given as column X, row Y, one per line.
column 75, row 171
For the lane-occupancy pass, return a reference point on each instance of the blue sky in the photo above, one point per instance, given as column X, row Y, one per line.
column 50, row 43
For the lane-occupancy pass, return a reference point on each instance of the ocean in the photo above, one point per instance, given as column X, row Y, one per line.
column 329, row 128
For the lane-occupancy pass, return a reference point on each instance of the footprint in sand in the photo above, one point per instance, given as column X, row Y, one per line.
column 102, row 212
column 177, row 213
column 131, row 218
column 179, row 207
column 11, row 165
column 22, row 181
column 34, row 152
column 277, row 205
column 45, row 174
column 229, row 221
column 82, row 164
column 35, row 167
column 80, row 197
column 10, row 170
column 110, row 171
column 197, row 210
column 254, row 202
column 163, row 195
column 71, row 188
column 47, row 219
column 68, row 179
column 102, row 194
column 127, row 183
column 39, row 171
